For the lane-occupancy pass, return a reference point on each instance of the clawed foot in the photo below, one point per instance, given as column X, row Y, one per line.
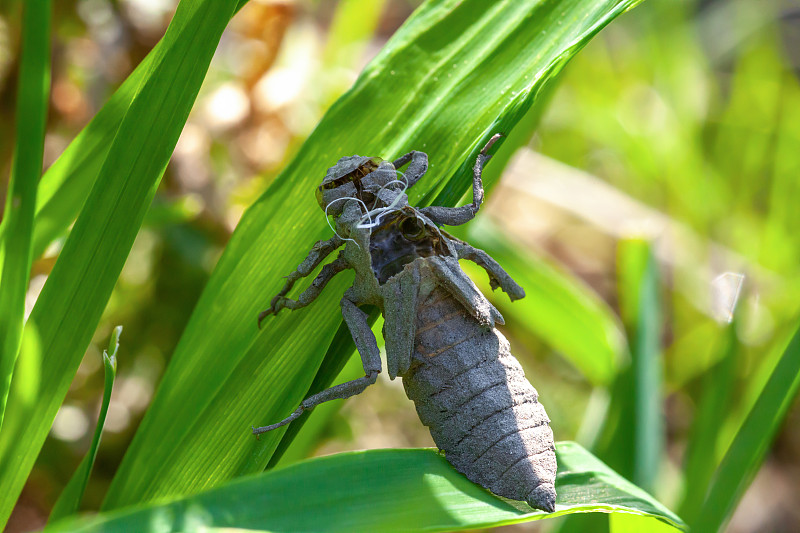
column 508, row 286
column 291, row 417
column 278, row 303
column 496, row 137
column 512, row 288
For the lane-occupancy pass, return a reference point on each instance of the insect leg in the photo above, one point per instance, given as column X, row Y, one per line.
column 455, row 216
column 308, row 295
column 497, row 276
column 417, row 168
column 364, row 339
column 450, row 277
column 400, row 295
column 318, row 253
column 367, row 347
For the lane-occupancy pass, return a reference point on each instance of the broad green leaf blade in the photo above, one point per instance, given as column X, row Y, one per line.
column 379, row 491
column 308, row 436
column 353, row 24
column 67, row 183
column 339, row 353
column 70, row 498
column 33, row 91
column 564, row 313
column 454, row 73
column 583, row 522
column 746, row 453
column 321, row 422
column 636, row 394
column 520, row 101
column 77, row 290
column 631, row 523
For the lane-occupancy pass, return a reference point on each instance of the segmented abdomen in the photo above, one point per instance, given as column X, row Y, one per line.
column 482, row 412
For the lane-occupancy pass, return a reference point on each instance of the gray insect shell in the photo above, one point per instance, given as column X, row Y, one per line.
column 344, row 166
column 345, row 178
column 438, row 329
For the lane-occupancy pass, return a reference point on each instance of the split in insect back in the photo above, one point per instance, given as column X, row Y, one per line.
column 439, row 328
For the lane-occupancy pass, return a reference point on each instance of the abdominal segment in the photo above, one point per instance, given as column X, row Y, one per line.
column 481, row 410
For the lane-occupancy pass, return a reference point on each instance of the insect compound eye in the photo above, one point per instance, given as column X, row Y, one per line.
column 412, row 229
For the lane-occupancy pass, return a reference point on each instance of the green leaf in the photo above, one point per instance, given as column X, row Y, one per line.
column 752, row 441
column 340, row 352
column 301, row 443
column 631, row 523
column 637, row 391
column 67, row 183
column 379, row 490
column 455, row 73
column 33, row 91
column 77, row 290
column 701, row 460
column 555, row 307
column 70, row 498
column 353, row 24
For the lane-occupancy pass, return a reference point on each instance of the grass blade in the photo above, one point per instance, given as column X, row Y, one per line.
column 33, row 92
column 70, row 498
column 67, row 183
column 77, row 290
column 386, row 490
column 636, row 394
column 555, row 307
column 455, row 72
column 352, row 26
column 701, row 461
column 746, row 453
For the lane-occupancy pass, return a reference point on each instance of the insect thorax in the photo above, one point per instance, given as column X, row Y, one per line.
column 401, row 237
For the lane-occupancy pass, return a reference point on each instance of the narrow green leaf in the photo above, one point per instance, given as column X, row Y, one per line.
column 555, row 307
column 701, row 459
column 636, row 393
column 749, row 447
column 67, row 183
column 456, row 72
column 649, row 423
column 33, row 91
column 77, row 290
column 379, row 491
column 353, row 24
column 70, row 498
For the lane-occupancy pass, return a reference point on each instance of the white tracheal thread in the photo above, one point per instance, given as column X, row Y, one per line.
column 383, row 210
column 329, row 220
column 403, row 182
column 367, row 212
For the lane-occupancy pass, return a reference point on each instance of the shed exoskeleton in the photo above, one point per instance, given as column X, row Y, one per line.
column 438, row 327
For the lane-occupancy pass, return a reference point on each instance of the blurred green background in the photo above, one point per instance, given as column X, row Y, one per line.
column 679, row 126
